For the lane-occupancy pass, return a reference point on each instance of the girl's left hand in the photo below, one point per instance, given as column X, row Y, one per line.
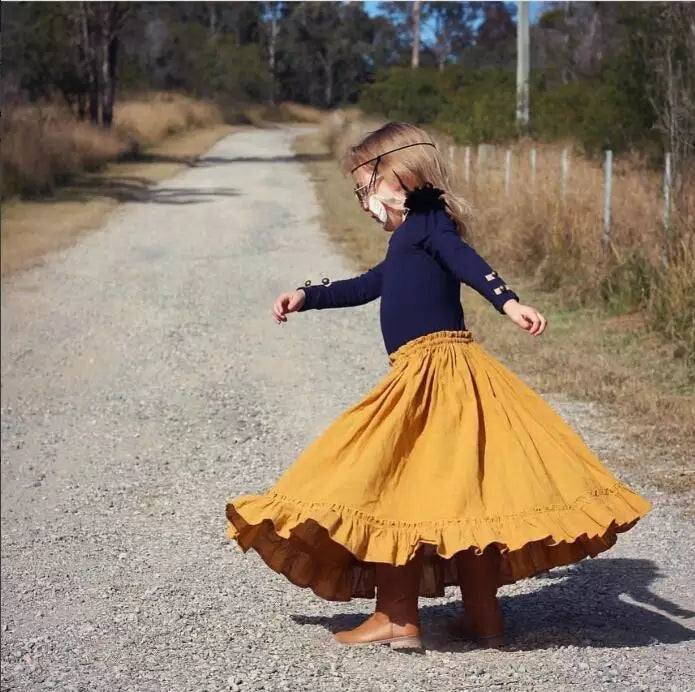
column 525, row 316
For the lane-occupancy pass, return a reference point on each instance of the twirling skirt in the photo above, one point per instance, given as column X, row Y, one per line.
column 449, row 451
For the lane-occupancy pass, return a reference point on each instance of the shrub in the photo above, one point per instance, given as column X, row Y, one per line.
column 475, row 106
column 44, row 145
column 405, row 94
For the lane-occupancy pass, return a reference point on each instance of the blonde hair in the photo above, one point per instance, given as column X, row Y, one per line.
column 411, row 167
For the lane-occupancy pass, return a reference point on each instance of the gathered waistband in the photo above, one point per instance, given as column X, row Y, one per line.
column 424, row 343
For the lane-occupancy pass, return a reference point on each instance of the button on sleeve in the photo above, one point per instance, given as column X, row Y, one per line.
column 346, row 292
column 467, row 265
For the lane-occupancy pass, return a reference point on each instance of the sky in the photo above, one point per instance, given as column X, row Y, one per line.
column 536, row 9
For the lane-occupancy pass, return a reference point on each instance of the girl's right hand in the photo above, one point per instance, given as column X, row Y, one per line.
column 287, row 302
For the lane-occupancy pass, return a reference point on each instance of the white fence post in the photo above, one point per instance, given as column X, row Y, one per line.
column 452, row 157
column 533, row 168
column 565, row 171
column 667, row 207
column 481, row 161
column 507, row 171
column 468, row 165
column 608, row 182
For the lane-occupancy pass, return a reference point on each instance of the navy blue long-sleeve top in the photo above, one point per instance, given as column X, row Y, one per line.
column 418, row 281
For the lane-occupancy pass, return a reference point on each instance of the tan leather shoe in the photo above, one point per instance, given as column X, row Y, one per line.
column 395, row 621
column 378, row 629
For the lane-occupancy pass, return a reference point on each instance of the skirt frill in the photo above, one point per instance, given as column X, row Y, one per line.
column 449, row 451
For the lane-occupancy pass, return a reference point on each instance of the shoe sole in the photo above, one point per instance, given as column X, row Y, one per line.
column 409, row 643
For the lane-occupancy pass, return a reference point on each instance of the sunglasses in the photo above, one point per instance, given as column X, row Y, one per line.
column 362, row 192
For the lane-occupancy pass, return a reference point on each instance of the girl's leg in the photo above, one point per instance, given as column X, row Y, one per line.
column 395, row 620
column 478, row 579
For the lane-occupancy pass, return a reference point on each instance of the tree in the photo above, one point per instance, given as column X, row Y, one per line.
column 38, row 57
column 399, row 17
column 454, row 25
column 71, row 48
column 326, row 52
column 497, row 26
column 662, row 53
column 494, row 41
column 273, row 12
column 415, row 60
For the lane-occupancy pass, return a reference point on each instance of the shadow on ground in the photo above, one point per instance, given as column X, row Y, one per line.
column 204, row 161
column 134, row 189
column 294, row 158
column 583, row 605
column 130, row 188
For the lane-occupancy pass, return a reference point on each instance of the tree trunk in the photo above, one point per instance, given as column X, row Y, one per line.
column 327, row 65
column 442, row 45
column 108, row 91
column 81, row 65
column 329, row 84
column 111, row 21
column 91, row 72
column 329, row 88
column 272, row 45
column 93, row 95
column 81, row 105
column 212, row 21
column 415, row 61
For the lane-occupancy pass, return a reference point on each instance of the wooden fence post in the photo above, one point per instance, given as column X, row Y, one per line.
column 667, row 207
column 533, row 168
column 507, row 171
column 608, row 182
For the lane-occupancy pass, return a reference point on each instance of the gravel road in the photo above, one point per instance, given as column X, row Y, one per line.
column 144, row 383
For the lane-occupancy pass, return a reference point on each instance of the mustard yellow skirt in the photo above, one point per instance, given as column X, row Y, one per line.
column 449, row 451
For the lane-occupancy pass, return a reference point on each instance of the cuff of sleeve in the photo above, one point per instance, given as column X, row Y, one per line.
column 500, row 300
column 310, row 297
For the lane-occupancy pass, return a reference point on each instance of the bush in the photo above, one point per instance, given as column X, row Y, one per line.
column 475, row 106
column 405, row 94
column 44, row 145
column 481, row 107
column 627, row 283
column 218, row 69
column 671, row 305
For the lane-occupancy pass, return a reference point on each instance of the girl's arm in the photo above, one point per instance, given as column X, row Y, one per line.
column 344, row 293
column 468, row 266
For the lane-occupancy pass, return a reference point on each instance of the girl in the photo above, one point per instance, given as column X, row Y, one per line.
column 451, row 471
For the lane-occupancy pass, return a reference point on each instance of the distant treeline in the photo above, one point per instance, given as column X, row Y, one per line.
column 610, row 74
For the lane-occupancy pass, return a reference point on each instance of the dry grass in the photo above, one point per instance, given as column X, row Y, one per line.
column 33, row 228
column 585, row 353
column 149, row 120
column 43, row 146
column 265, row 115
column 558, row 240
column 71, row 174
column 293, row 112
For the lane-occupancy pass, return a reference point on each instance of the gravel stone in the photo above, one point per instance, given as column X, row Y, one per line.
column 144, row 383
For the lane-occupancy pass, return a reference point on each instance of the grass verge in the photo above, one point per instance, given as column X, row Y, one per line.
column 33, row 228
column 647, row 395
